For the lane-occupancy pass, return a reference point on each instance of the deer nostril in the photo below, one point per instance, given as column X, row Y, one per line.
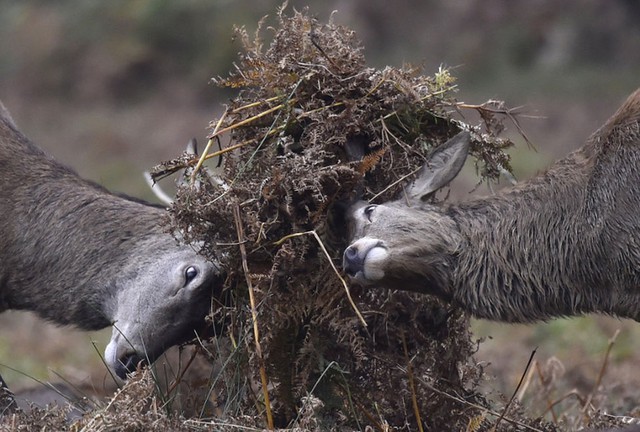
column 128, row 364
column 351, row 253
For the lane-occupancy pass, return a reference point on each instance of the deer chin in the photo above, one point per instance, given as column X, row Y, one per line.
column 365, row 259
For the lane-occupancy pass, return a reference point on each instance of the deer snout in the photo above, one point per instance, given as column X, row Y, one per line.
column 364, row 260
column 123, row 355
column 123, row 359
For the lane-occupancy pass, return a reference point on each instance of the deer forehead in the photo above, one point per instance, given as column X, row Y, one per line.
column 394, row 219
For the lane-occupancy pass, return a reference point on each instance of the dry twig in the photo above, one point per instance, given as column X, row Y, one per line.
column 254, row 317
column 515, row 392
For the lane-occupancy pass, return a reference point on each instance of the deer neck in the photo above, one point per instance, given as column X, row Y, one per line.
column 69, row 268
column 523, row 255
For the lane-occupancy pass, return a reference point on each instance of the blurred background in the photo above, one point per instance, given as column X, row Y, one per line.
column 112, row 88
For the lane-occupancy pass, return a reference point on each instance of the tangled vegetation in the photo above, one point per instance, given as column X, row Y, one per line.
column 307, row 106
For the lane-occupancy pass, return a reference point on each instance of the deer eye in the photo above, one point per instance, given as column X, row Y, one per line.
column 368, row 211
column 190, row 274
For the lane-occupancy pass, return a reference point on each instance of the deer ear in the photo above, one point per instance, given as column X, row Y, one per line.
column 192, row 147
column 444, row 163
column 6, row 116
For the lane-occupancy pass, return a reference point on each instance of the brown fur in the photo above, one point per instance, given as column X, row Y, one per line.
column 564, row 243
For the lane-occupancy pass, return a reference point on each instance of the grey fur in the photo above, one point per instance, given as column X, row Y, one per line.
column 76, row 254
column 564, row 243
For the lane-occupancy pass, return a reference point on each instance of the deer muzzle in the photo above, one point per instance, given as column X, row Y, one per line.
column 364, row 260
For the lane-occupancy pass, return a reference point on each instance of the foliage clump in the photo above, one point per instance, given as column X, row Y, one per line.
column 313, row 128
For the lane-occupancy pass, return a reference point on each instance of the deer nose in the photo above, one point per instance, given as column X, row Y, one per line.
column 351, row 261
column 128, row 364
column 351, row 253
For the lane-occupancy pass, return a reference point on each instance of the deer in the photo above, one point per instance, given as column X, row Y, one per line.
column 564, row 243
column 76, row 254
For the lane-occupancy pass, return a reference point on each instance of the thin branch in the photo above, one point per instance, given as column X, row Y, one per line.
column 548, row 400
column 344, row 283
column 254, row 316
column 603, row 369
column 250, row 119
column 208, row 146
column 255, row 104
column 478, row 407
column 510, row 113
column 178, row 379
column 412, row 384
column 515, row 392
column 567, row 395
column 527, row 381
column 395, row 183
